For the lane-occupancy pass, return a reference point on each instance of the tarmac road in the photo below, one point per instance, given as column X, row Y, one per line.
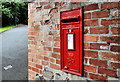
column 15, row 53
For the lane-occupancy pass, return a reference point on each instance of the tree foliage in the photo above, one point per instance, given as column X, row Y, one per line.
column 14, row 13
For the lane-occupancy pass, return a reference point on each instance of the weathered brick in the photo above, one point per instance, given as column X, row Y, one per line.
column 91, row 7
column 54, row 10
column 110, row 21
column 57, row 4
column 86, row 31
column 99, row 30
column 46, row 58
column 31, row 38
column 54, row 66
column 39, row 8
column 38, row 66
column 110, row 39
column 87, row 15
column 54, row 55
column 52, row 60
column 56, row 38
column 93, row 22
column 97, row 77
column 43, row 3
column 86, row 60
column 48, row 48
column 90, row 38
column 57, row 44
column 115, row 65
column 48, row 6
column 89, row 53
column 39, row 57
column 52, row 32
column 99, row 46
column 99, row 14
column 86, row 45
column 115, row 30
column 98, row 62
column 107, row 72
column 115, row 48
column 111, row 56
column 57, row 61
column 56, row 49
column 34, row 69
column 90, row 68
column 44, row 63
column 110, row 5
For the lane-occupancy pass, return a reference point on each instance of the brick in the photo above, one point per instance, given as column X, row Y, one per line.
column 52, row 32
column 110, row 21
column 43, row 3
column 52, row 60
column 29, row 67
column 56, row 38
column 98, row 62
column 46, row 58
column 39, row 57
column 54, row 10
column 110, row 5
column 87, row 15
column 97, row 77
column 107, row 72
column 85, row 31
column 31, row 64
column 115, row 48
column 90, row 68
column 39, row 8
column 90, row 38
column 110, row 39
column 86, row 45
column 57, row 44
column 57, row 61
column 115, row 30
column 38, row 66
column 31, row 38
column 115, row 65
column 56, row 49
column 99, row 46
column 34, row 69
column 93, row 22
column 57, row 4
column 32, row 33
column 86, row 60
column 89, row 53
column 54, row 55
column 48, row 6
column 48, row 48
column 111, row 56
column 100, row 14
column 44, row 63
column 54, row 66
column 99, row 30
column 91, row 7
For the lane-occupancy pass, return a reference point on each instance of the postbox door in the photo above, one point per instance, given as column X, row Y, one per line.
column 71, row 49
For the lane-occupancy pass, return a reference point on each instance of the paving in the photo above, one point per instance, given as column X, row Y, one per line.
column 15, row 53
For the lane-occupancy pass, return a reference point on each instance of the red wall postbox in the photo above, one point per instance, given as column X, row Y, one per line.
column 71, row 41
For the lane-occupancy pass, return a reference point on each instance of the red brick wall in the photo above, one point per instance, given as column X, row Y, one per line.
column 101, row 38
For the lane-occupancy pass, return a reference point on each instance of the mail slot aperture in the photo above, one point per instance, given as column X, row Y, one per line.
column 71, row 41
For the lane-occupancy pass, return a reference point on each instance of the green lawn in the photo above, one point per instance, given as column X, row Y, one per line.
column 6, row 28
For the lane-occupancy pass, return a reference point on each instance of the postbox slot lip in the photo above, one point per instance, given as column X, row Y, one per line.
column 70, row 20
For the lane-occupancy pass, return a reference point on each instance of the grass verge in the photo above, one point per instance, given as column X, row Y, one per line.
column 6, row 28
